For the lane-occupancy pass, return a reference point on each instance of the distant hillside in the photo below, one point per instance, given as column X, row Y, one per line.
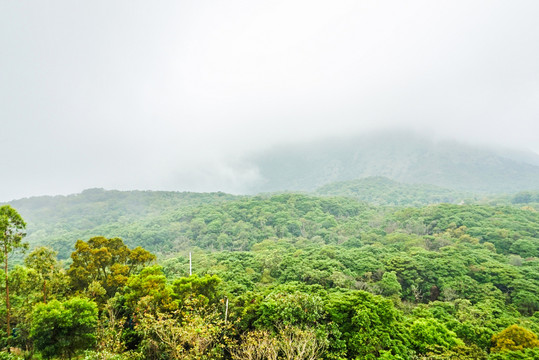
column 380, row 190
column 405, row 157
column 168, row 222
column 58, row 221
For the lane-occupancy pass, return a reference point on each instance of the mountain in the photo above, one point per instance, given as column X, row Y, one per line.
column 404, row 157
column 380, row 190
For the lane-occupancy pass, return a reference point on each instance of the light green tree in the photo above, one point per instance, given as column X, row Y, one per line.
column 62, row 329
column 389, row 285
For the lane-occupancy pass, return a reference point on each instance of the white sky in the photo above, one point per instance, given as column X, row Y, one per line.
column 166, row 95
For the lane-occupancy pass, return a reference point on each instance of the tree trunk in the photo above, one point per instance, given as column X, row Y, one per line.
column 45, row 291
column 7, row 293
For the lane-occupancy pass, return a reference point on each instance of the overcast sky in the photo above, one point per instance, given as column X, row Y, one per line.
column 167, row 95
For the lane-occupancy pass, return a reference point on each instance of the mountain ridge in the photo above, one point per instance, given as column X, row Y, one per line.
column 408, row 158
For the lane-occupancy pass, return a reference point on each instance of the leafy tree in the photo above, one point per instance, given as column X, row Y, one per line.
column 62, row 329
column 370, row 326
column 195, row 337
column 109, row 262
column 151, row 285
column 300, row 343
column 526, row 248
column 43, row 260
column 459, row 352
column 430, row 333
column 290, row 309
column 109, row 331
column 11, row 233
column 514, row 338
column 389, row 285
column 202, row 290
column 256, row 345
column 24, row 287
column 525, row 296
column 525, row 354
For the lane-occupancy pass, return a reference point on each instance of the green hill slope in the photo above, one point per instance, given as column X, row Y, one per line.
column 58, row 221
column 166, row 223
column 380, row 190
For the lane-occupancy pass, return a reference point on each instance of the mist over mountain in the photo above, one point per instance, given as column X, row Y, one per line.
column 405, row 157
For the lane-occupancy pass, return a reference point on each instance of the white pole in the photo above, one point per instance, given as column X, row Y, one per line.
column 226, row 310
column 190, row 267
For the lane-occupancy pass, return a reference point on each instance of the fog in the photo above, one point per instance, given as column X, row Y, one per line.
column 172, row 95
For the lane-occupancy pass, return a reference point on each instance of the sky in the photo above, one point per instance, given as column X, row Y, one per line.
column 171, row 95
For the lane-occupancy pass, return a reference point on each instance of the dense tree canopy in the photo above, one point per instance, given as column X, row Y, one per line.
column 106, row 263
column 304, row 277
column 63, row 328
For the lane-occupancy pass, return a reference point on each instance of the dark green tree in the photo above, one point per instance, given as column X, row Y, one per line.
column 371, row 327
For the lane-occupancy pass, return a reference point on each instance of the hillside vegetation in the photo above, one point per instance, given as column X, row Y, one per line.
column 56, row 220
column 168, row 222
column 379, row 190
column 283, row 276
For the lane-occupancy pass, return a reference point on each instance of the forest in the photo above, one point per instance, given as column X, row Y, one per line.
column 106, row 275
column 269, row 180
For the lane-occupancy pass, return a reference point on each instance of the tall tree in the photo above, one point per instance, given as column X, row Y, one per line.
column 11, row 234
column 43, row 260
column 106, row 262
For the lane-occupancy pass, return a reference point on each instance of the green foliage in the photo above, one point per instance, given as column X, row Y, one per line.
column 514, row 338
column 525, row 354
column 11, row 234
column 9, row 356
column 12, row 228
column 202, row 290
column 108, row 262
column 383, row 191
column 294, row 267
column 525, row 197
column 106, row 355
column 389, row 286
column 62, row 329
column 290, row 309
column 369, row 326
column 427, row 334
column 135, row 216
column 150, row 283
column 53, row 278
column 526, row 248
column 187, row 335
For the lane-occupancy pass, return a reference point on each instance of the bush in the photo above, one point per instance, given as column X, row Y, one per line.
column 62, row 329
